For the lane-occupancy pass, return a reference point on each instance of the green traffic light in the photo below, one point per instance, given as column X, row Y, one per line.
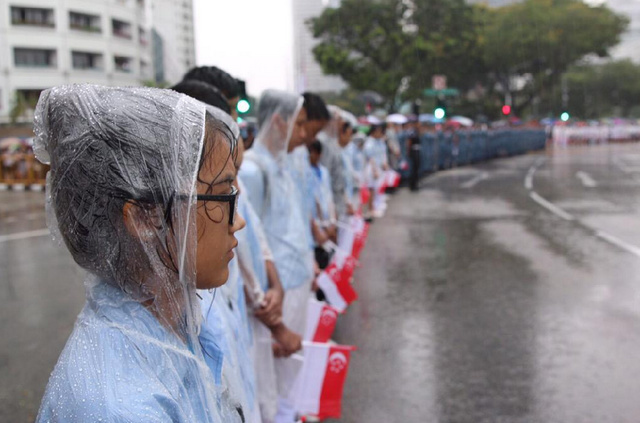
column 564, row 116
column 243, row 106
column 439, row 113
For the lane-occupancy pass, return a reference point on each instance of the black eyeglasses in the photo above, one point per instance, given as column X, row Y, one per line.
column 231, row 198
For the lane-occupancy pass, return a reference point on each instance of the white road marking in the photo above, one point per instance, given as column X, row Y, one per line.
column 618, row 242
column 586, row 179
column 550, row 206
column 24, row 235
column 475, row 180
column 528, row 180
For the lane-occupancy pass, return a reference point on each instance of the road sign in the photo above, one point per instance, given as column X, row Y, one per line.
column 449, row 92
column 439, row 82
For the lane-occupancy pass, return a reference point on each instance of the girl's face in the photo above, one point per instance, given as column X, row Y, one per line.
column 216, row 237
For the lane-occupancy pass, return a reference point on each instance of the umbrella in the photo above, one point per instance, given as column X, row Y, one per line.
column 463, row 121
column 397, row 118
column 372, row 120
column 371, row 97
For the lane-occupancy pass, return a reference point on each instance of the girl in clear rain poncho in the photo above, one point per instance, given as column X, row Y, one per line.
column 140, row 191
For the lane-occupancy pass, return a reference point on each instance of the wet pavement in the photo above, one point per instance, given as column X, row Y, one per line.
column 503, row 292
column 479, row 304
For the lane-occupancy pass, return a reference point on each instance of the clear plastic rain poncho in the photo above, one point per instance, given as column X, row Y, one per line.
column 134, row 354
column 272, row 191
column 347, row 163
column 332, row 159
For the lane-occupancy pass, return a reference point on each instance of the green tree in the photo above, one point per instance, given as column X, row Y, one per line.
column 395, row 46
column 528, row 46
column 595, row 91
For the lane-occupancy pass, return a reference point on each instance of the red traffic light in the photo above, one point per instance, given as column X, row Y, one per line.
column 506, row 110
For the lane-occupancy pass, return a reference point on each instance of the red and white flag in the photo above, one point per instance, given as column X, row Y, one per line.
column 365, row 195
column 321, row 321
column 318, row 389
column 337, row 289
column 392, row 179
column 361, row 229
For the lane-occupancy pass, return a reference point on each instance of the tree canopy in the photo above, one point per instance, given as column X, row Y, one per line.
column 521, row 50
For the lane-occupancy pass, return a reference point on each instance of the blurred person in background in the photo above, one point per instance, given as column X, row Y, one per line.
column 351, row 185
column 414, row 151
column 393, row 145
column 324, row 207
column 375, row 151
column 220, row 79
column 277, row 201
column 332, row 159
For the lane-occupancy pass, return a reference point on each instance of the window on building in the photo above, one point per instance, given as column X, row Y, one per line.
column 84, row 22
column 32, row 16
column 85, row 60
column 145, row 69
column 30, row 96
column 121, row 29
column 123, row 64
column 34, row 57
column 143, row 36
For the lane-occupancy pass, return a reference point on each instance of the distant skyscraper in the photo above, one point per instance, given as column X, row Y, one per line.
column 45, row 43
column 54, row 42
column 307, row 72
column 172, row 21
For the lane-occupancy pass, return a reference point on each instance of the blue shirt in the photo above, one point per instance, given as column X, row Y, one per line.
column 376, row 149
column 322, row 190
column 275, row 198
column 120, row 364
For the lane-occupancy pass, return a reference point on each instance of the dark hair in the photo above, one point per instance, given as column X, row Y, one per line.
column 345, row 126
column 91, row 185
column 315, row 107
column 216, row 77
column 316, row 146
column 204, row 92
column 373, row 129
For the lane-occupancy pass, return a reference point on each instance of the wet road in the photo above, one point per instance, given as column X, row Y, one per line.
column 504, row 292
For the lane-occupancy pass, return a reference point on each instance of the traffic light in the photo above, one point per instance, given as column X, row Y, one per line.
column 244, row 105
column 440, row 112
column 506, row 110
column 565, row 116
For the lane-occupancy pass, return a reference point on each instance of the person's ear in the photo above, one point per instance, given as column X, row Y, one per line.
column 140, row 222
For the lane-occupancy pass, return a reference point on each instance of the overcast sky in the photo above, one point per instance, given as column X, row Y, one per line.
column 250, row 39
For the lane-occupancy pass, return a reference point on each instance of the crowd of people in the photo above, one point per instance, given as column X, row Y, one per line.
column 213, row 260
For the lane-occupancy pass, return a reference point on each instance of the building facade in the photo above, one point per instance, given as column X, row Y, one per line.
column 307, row 72
column 172, row 21
column 44, row 43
